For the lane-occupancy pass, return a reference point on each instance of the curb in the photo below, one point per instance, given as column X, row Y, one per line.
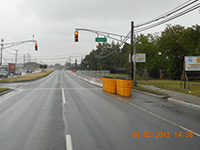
column 185, row 104
column 5, row 92
column 174, row 101
column 89, row 81
column 151, row 94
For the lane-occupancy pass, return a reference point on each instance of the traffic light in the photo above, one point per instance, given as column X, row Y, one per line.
column 36, row 46
column 76, row 36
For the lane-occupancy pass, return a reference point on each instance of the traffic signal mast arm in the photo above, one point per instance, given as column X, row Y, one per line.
column 107, row 34
column 16, row 43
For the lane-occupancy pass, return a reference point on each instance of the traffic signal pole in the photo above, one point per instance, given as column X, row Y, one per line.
column 8, row 45
column 1, row 51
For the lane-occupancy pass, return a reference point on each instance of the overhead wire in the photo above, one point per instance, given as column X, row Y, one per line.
column 164, row 16
column 116, row 48
column 168, row 19
column 167, row 14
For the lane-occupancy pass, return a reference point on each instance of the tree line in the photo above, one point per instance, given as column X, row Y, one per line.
column 164, row 51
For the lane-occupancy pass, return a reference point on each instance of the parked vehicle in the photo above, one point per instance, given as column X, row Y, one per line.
column 3, row 74
column 18, row 73
column 10, row 68
column 28, row 69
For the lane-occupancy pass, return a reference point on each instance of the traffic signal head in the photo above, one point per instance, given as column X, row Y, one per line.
column 76, row 36
column 36, row 46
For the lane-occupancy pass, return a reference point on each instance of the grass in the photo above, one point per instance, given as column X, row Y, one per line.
column 3, row 89
column 174, row 85
column 119, row 75
column 140, row 88
column 126, row 75
column 29, row 77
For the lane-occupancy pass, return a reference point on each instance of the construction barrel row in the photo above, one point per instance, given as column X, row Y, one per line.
column 119, row 85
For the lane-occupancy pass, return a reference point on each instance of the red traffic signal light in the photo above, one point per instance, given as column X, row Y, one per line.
column 36, row 46
column 76, row 36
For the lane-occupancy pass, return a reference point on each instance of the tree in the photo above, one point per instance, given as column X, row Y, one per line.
column 175, row 43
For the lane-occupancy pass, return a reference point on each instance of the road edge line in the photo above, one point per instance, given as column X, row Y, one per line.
column 155, row 115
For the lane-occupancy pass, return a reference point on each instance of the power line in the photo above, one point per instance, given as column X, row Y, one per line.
column 169, row 19
column 167, row 14
column 116, row 48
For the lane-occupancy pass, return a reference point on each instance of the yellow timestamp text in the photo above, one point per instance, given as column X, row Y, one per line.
column 161, row 134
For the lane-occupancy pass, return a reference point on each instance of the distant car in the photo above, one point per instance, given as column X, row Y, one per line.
column 19, row 73
column 3, row 74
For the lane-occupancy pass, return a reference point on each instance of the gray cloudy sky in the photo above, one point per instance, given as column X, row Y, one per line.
column 53, row 23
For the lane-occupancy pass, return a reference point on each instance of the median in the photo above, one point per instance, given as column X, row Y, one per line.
column 26, row 78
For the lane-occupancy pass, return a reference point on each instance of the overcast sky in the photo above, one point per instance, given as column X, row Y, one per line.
column 53, row 23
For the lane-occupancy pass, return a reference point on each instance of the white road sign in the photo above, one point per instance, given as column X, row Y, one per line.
column 192, row 63
column 140, row 57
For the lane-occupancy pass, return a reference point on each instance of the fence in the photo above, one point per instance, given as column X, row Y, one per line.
column 93, row 74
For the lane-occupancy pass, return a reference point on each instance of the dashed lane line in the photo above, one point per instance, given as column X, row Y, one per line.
column 69, row 142
column 63, row 96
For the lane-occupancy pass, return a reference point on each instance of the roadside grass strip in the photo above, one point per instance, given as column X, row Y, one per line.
column 29, row 77
column 174, row 85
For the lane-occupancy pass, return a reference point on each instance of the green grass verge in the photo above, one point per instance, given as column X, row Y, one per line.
column 140, row 88
column 119, row 75
column 29, row 77
column 3, row 89
column 174, row 86
column 125, row 75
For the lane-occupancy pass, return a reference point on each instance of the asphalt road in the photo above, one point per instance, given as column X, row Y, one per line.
column 63, row 112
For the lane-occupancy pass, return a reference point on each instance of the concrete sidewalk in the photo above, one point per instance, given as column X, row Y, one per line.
column 176, row 95
column 183, row 99
column 178, row 98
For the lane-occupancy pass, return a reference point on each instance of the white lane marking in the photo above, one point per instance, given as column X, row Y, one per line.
column 69, row 142
column 60, row 83
column 5, row 97
column 63, row 96
column 46, row 89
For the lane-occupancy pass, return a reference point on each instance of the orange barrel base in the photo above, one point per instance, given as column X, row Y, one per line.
column 124, row 86
column 109, row 84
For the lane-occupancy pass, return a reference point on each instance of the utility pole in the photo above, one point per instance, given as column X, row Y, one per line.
column 2, row 51
column 134, row 49
column 16, row 58
column 132, row 32
column 133, row 55
column 81, row 63
column 24, row 61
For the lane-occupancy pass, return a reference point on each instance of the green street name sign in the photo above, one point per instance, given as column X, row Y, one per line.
column 101, row 39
